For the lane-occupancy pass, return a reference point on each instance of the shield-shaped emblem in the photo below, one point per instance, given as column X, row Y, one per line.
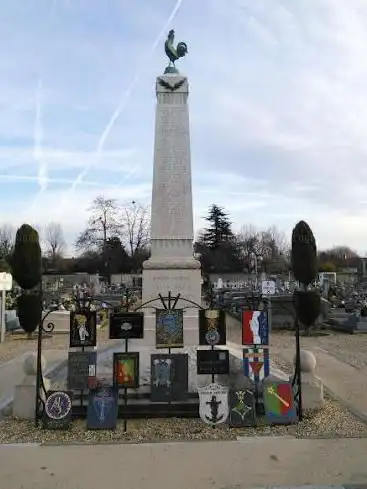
column 213, row 407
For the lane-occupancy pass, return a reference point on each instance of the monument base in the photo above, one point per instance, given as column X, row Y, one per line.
column 185, row 282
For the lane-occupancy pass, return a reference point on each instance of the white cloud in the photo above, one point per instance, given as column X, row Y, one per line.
column 278, row 106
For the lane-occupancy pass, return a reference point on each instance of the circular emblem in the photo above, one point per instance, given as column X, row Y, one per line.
column 212, row 337
column 58, row 405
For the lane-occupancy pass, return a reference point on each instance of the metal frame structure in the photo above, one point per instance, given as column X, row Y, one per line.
column 126, row 410
column 138, row 405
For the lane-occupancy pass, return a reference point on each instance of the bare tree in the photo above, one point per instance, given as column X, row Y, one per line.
column 136, row 232
column 278, row 242
column 104, row 223
column 53, row 237
column 7, row 239
column 249, row 243
column 266, row 245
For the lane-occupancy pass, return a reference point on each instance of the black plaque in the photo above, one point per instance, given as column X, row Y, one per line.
column 82, row 367
column 125, row 325
column 102, row 408
column 212, row 362
column 241, row 408
column 83, row 329
column 169, row 328
column 58, row 410
column 169, row 377
column 212, row 327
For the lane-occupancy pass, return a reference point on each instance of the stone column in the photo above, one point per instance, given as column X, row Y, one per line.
column 172, row 266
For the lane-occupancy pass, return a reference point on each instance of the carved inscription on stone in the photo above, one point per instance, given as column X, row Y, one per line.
column 172, row 195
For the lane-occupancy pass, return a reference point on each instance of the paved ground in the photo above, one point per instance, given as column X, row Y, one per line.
column 12, row 373
column 18, row 344
column 344, row 382
column 193, row 465
column 350, row 349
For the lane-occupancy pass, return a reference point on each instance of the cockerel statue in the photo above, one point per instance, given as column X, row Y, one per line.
column 174, row 53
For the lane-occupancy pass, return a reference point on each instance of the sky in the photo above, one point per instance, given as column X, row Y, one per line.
column 278, row 109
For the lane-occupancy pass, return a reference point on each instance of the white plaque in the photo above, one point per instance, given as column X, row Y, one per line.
column 268, row 287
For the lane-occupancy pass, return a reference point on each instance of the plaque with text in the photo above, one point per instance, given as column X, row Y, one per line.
column 126, row 370
column 169, row 377
column 212, row 327
column 83, row 329
column 169, row 328
column 82, row 366
column 212, row 362
column 58, row 410
column 102, row 408
column 241, row 408
column 126, row 325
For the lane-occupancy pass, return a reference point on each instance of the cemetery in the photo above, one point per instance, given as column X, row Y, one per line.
column 173, row 362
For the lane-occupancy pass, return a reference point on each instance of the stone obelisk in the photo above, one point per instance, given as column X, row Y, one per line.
column 172, row 266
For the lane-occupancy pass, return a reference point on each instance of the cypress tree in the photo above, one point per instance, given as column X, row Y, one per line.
column 26, row 261
column 307, row 301
column 26, row 264
column 304, row 254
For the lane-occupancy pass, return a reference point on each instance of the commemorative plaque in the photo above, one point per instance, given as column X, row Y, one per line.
column 58, row 409
column 212, row 327
column 169, row 328
column 81, row 369
column 279, row 402
column 83, row 329
column 212, row 362
column 102, row 408
column 126, row 370
column 126, row 325
column 169, row 377
column 242, row 408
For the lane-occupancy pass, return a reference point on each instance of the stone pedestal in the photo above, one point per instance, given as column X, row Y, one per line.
column 312, row 387
column 172, row 266
column 25, row 393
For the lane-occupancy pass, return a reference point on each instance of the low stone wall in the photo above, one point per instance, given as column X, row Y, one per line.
column 283, row 313
column 234, row 328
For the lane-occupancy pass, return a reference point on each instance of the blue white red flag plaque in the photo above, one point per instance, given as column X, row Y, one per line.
column 256, row 364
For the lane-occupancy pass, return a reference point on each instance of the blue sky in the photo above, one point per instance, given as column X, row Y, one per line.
column 278, row 108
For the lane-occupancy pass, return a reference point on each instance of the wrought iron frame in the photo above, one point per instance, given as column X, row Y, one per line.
column 168, row 302
column 253, row 301
column 82, row 304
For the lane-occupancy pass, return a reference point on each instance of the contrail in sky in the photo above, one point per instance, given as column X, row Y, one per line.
column 122, row 103
column 38, row 132
column 38, row 139
column 37, row 149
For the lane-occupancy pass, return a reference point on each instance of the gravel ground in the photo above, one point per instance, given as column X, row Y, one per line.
column 348, row 348
column 17, row 344
column 332, row 422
